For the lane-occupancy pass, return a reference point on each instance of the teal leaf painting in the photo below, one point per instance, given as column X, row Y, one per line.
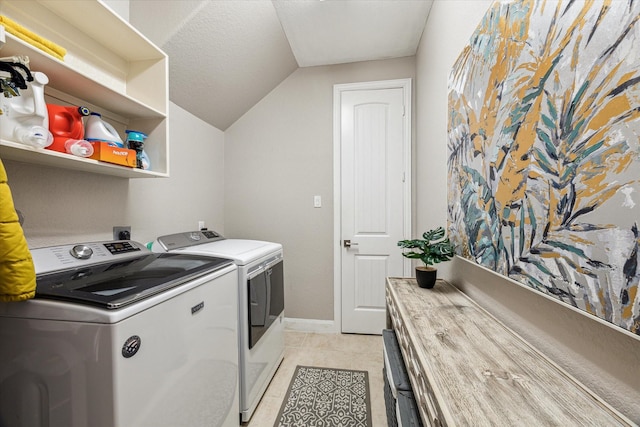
column 544, row 151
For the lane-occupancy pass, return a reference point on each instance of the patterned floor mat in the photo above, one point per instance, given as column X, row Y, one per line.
column 324, row 397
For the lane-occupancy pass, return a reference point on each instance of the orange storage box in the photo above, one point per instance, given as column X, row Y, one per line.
column 105, row 152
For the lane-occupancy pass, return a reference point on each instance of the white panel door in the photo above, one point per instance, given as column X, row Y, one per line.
column 373, row 196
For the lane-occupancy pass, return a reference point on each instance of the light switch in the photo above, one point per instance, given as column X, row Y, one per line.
column 317, row 201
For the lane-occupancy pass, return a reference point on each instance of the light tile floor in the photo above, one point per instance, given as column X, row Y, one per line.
column 340, row 351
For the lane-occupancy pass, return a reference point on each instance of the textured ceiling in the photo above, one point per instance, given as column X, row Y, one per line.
column 340, row 31
column 226, row 55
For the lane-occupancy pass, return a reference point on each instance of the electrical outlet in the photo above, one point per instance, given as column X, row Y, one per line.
column 122, row 232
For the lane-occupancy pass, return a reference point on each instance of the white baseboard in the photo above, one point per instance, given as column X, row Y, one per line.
column 310, row 325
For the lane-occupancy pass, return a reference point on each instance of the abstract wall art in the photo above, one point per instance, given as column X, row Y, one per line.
column 544, row 151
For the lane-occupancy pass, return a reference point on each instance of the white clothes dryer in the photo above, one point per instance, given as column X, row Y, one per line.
column 118, row 336
column 261, row 304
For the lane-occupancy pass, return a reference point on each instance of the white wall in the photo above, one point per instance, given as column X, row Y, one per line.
column 195, row 190
column 62, row 206
column 121, row 7
column 604, row 357
column 277, row 157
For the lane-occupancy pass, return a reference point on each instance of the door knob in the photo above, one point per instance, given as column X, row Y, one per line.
column 348, row 244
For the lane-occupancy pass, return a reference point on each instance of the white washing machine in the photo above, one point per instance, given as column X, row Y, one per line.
column 261, row 299
column 118, row 336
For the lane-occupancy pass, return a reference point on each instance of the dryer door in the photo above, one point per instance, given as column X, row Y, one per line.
column 258, row 305
column 266, row 298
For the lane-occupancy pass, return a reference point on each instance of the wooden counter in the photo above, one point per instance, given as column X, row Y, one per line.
column 467, row 368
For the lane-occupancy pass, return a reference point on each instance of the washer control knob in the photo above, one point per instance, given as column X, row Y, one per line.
column 195, row 236
column 81, row 252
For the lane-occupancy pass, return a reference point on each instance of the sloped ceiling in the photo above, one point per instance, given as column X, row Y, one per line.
column 226, row 55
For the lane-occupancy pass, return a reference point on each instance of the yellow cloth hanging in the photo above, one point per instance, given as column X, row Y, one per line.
column 17, row 273
column 32, row 38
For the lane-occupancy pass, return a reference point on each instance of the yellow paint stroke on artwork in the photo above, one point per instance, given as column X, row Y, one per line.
column 510, row 191
column 576, row 52
column 602, row 193
column 586, row 108
column 627, row 311
column 588, row 307
column 626, row 159
column 583, row 270
column 550, row 255
column 478, row 143
column 614, row 108
column 580, row 240
column 602, row 297
column 596, row 185
column 612, row 155
column 509, row 45
column 534, row 174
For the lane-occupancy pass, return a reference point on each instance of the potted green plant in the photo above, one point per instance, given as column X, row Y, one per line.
column 434, row 247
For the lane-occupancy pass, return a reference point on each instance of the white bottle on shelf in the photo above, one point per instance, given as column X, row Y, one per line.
column 24, row 118
column 96, row 129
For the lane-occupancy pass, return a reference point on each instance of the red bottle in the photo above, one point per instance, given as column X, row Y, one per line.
column 65, row 122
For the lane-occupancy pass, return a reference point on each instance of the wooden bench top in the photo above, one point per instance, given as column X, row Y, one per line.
column 467, row 368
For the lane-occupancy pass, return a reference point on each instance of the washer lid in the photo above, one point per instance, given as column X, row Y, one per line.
column 116, row 284
column 241, row 251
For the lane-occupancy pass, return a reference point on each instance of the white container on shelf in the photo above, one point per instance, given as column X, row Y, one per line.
column 96, row 129
column 24, row 118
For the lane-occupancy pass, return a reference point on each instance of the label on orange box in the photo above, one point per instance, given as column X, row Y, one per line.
column 106, row 152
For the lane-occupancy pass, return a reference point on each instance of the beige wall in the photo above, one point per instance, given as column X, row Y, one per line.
column 604, row 357
column 277, row 157
column 62, row 206
column 195, row 190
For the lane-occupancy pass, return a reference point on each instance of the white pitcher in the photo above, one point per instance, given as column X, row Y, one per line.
column 24, row 118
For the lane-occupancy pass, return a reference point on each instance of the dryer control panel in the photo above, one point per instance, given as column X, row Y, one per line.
column 190, row 238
